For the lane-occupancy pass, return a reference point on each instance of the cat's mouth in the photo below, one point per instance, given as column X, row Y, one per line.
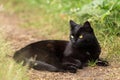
column 81, row 45
column 75, row 45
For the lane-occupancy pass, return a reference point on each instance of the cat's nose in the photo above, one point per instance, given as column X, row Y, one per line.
column 73, row 41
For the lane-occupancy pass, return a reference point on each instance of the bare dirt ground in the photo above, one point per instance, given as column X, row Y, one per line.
column 19, row 37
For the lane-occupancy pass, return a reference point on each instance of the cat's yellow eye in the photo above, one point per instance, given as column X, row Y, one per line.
column 81, row 36
column 72, row 36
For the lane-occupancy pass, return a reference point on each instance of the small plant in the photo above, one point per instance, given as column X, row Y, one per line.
column 104, row 14
column 92, row 63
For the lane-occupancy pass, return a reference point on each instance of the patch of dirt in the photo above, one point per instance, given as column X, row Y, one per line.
column 19, row 37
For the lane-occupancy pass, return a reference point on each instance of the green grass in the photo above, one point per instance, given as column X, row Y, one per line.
column 51, row 18
column 9, row 70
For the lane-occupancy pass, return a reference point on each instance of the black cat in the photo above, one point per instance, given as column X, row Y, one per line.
column 82, row 47
column 61, row 55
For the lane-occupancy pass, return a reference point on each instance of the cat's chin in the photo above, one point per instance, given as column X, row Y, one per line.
column 75, row 46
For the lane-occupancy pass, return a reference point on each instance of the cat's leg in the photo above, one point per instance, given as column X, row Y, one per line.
column 101, row 62
column 78, row 63
column 94, row 56
column 98, row 61
column 40, row 65
column 71, row 64
column 70, row 67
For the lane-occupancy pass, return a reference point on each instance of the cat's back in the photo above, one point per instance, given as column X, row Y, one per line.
column 49, row 46
column 41, row 47
column 46, row 43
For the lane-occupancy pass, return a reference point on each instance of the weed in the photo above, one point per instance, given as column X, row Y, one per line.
column 9, row 70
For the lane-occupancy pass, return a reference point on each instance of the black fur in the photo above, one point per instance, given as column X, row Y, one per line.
column 60, row 55
column 83, row 47
column 43, row 55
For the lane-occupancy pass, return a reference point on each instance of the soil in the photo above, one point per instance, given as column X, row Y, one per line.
column 19, row 37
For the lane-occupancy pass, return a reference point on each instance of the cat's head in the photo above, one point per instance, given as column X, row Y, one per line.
column 81, row 35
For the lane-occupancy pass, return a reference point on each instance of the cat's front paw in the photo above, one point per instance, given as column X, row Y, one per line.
column 78, row 64
column 102, row 63
column 72, row 69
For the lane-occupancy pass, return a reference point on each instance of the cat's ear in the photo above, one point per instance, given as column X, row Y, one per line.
column 87, row 26
column 72, row 24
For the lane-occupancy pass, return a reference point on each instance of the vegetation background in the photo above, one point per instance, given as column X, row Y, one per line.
column 49, row 19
